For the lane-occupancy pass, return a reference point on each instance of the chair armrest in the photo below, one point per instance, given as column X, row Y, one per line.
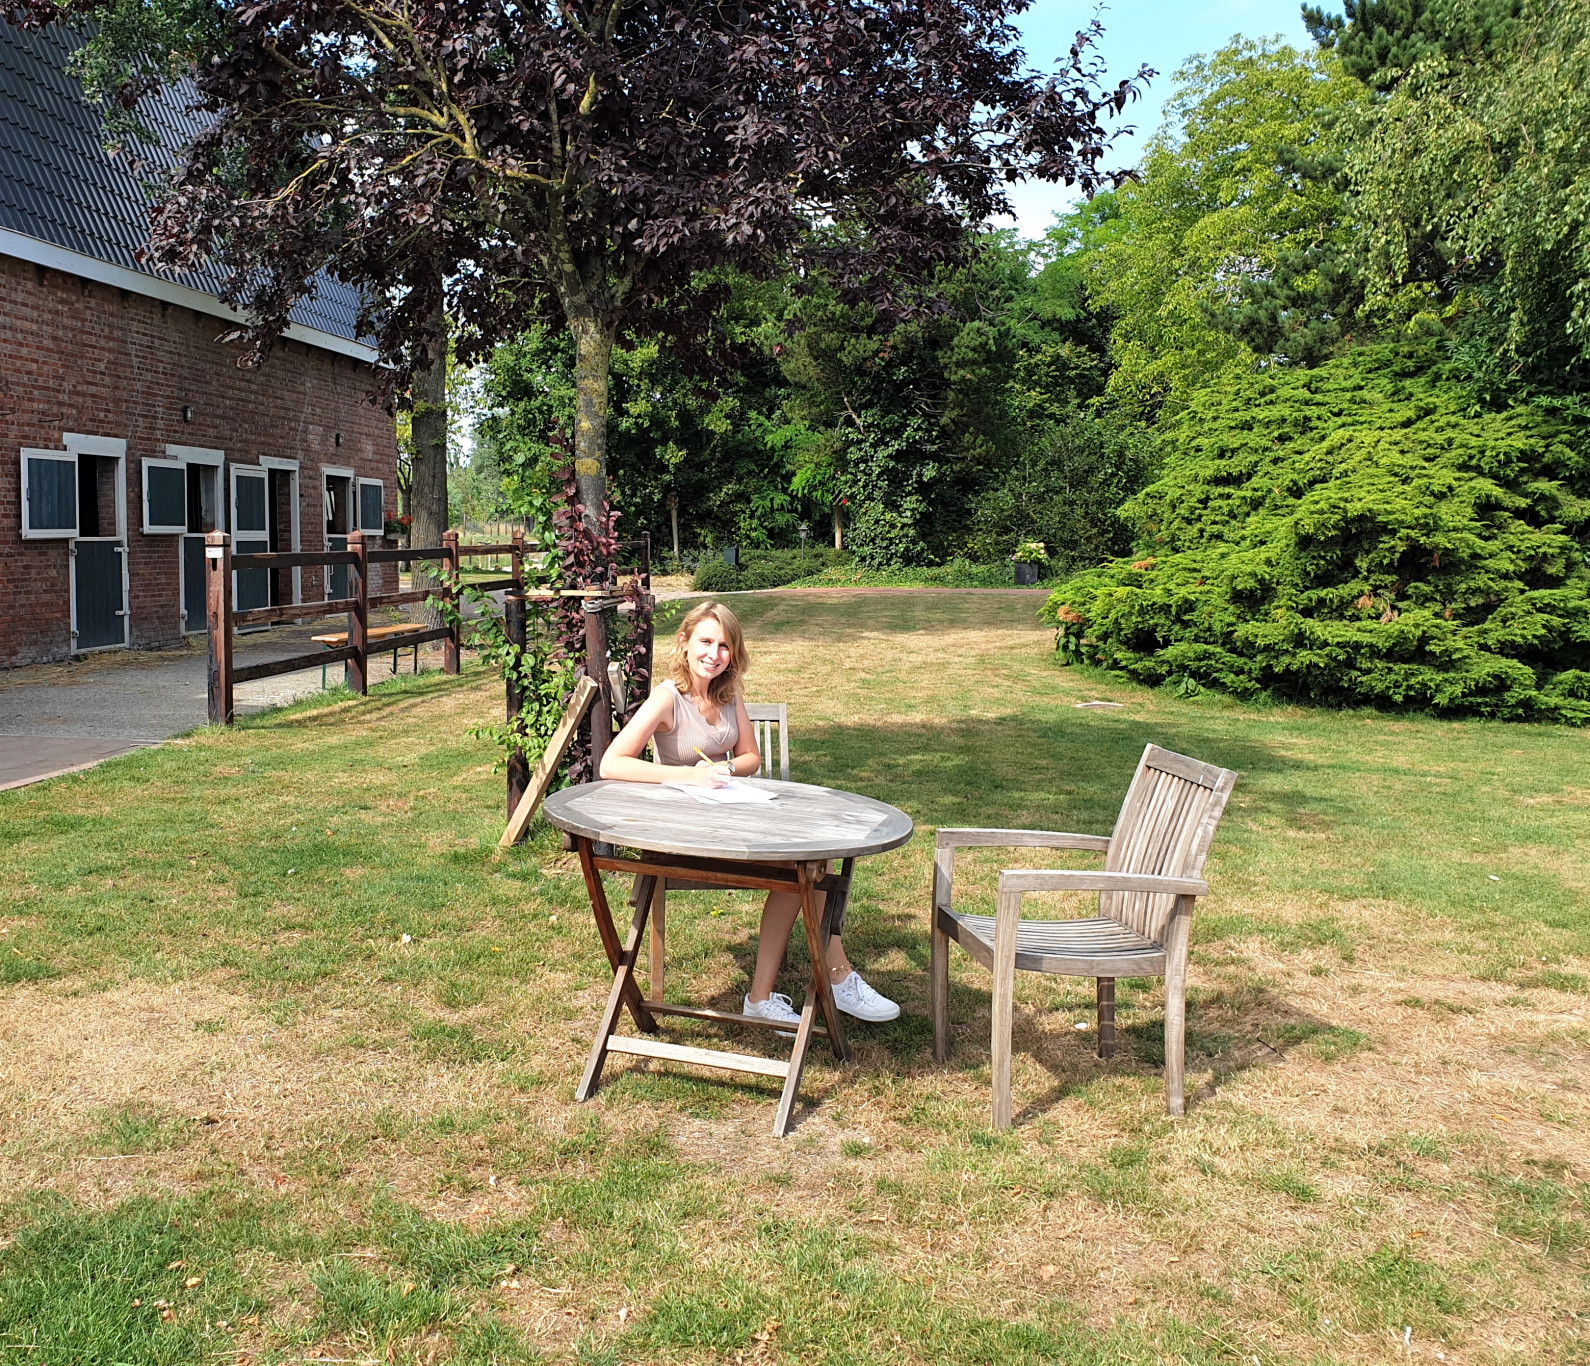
column 972, row 837
column 1085, row 880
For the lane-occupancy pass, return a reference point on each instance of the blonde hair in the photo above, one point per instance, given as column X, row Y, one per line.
column 726, row 686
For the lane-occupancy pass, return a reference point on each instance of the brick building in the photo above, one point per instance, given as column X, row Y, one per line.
column 127, row 430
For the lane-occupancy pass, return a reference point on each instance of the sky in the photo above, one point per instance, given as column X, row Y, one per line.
column 1160, row 33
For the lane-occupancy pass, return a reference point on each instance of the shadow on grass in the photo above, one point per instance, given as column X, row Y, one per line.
column 1229, row 1031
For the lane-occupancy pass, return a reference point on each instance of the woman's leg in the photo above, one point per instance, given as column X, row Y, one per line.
column 778, row 922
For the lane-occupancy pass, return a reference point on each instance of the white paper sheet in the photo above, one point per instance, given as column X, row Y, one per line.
column 730, row 794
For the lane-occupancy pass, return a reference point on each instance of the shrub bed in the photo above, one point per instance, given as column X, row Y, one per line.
column 1355, row 534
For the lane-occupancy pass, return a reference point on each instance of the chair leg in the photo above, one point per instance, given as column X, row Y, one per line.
column 1176, row 1006
column 1175, row 1044
column 659, row 935
column 1106, row 993
column 939, row 991
column 1004, row 1002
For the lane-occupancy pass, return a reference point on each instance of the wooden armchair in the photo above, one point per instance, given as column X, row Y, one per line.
column 765, row 718
column 1153, row 875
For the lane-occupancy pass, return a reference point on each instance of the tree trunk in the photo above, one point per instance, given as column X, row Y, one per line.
column 428, row 479
column 593, row 356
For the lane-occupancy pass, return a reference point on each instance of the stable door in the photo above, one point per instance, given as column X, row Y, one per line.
column 99, row 554
column 250, row 536
column 203, row 484
column 339, row 522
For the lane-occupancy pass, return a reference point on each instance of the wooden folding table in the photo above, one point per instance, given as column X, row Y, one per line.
column 782, row 845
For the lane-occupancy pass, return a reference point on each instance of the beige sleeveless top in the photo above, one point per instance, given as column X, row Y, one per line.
column 677, row 747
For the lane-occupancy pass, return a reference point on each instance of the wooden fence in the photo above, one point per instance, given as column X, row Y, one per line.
column 522, row 585
column 360, row 557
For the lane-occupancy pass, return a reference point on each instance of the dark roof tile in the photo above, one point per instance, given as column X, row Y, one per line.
column 59, row 185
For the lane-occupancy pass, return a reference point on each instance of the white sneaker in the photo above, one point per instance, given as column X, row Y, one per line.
column 778, row 1007
column 855, row 997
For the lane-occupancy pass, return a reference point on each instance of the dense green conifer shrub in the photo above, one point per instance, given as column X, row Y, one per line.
column 1355, row 534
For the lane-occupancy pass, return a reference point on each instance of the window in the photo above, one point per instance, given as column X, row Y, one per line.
column 49, row 494
column 165, row 497
column 372, row 507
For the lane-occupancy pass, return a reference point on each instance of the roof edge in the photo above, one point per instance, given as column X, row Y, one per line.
column 41, row 253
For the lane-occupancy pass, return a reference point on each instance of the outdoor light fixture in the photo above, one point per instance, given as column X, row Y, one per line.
column 338, row 438
column 804, row 531
column 187, row 412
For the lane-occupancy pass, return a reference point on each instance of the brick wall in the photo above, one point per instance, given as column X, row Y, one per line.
column 82, row 357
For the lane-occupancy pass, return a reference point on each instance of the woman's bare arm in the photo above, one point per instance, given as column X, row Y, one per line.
column 622, row 759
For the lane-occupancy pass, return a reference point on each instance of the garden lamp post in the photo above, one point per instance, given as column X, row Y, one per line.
column 804, row 529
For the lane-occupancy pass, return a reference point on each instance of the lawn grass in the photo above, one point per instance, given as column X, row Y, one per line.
column 275, row 1015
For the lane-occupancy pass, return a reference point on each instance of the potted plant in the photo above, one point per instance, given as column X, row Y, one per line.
column 1030, row 559
column 398, row 528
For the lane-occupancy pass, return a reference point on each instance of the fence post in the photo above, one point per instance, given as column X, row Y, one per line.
column 218, row 618
column 359, row 618
column 518, row 559
column 451, row 647
column 596, row 671
column 513, row 624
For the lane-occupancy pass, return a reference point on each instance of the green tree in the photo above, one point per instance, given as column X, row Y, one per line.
column 1065, row 489
column 908, row 424
column 1227, row 192
column 709, row 445
column 1473, row 186
column 1380, row 41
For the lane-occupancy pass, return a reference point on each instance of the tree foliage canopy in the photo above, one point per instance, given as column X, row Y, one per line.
column 957, row 431
column 1225, row 194
column 582, row 163
column 1473, row 187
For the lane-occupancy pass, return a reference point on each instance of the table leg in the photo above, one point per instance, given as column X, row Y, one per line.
column 797, row 1064
column 623, row 978
column 837, row 900
column 609, row 933
column 814, row 995
column 659, row 940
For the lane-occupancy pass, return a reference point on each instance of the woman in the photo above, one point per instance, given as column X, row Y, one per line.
column 700, row 707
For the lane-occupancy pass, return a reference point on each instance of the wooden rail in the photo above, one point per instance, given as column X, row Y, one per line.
column 522, row 586
column 223, row 617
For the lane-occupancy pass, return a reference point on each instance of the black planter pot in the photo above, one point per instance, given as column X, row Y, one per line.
column 1026, row 575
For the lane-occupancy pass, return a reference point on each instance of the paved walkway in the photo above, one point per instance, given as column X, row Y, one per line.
column 56, row 718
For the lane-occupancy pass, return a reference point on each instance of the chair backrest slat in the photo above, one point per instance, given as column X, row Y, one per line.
column 764, row 717
column 1166, row 825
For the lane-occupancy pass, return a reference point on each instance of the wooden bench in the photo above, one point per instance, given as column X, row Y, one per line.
column 384, row 636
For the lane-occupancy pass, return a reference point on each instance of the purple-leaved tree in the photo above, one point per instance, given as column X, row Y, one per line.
column 490, row 163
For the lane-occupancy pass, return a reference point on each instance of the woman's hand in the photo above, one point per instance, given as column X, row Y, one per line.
column 704, row 774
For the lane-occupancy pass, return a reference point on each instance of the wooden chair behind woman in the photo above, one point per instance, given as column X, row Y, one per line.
column 1153, row 875
column 766, row 717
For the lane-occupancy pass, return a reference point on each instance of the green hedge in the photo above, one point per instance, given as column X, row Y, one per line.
column 1356, row 534
column 761, row 569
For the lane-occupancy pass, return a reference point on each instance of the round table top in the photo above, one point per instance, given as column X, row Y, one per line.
column 801, row 822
